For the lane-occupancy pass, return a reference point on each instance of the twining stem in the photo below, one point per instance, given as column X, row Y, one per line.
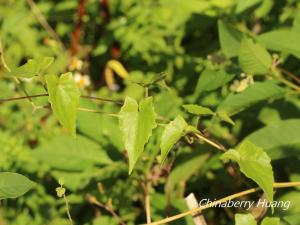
column 288, row 83
column 146, row 188
column 92, row 199
column 96, row 111
column 44, row 95
column 212, row 143
column 222, row 200
column 68, row 209
column 16, row 79
column 290, row 74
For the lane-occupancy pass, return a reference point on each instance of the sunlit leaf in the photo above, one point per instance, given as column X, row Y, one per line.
column 13, row 185
column 32, row 68
column 136, row 123
column 64, row 98
column 198, row 110
column 255, row 164
column 253, row 58
column 244, row 219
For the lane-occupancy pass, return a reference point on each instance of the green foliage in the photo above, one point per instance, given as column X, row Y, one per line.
column 33, row 67
column 255, row 164
column 137, row 120
column 13, row 185
column 64, row 98
column 163, row 87
column 253, row 58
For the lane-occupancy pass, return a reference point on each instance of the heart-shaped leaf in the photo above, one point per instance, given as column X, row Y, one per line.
column 64, row 99
column 136, row 123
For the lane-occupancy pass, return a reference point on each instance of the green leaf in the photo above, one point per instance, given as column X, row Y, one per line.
column 271, row 221
column 224, row 116
column 286, row 41
column 64, row 98
column 242, row 5
column 244, row 219
column 230, row 38
column 210, row 80
column 198, row 110
column 67, row 153
column 284, row 135
column 253, row 58
column 33, row 67
column 136, row 122
column 255, row 164
column 172, row 133
column 13, row 185
column 255, row 93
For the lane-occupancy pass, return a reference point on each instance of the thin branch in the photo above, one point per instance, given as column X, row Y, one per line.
column 290, row 74
column 44, row 95
column 222, row 200
column 210, row 142
column 96, row 111
column 42, row 20
column 146, row 188
column 15, row 78
column 68, row 209
column 92, row 200
column 288, row 83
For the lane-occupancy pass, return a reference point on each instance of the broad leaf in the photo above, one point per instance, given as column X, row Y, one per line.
column 13, row 185
column 172, row 133
column 33, row 67
column 198, row 110
column 136, row 123
column 230, row 39
column 67, row 153
column 271, row 221
column 284, row 135
column 244, row 219
column 286, row 41
column 255, row 164
column 253, row 58
column 253, row 94
column 210, row 80
column 64, row 98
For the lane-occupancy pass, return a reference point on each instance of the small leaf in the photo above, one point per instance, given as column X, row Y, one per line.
column 13, row 185
column 230, row 39
column 210, row 80
column 136, row 122
column 198, row 110
column 172, row 133
column 255, row 164
column 224, row 116
column 253, row 58
column 64, row 98
column 33, row 67
column 244, row 219
column 61, row 181
column 271, row 221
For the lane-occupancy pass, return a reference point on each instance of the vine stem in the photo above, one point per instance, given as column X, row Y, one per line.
column 212, row 143
column 222, row 200
column 45, row 95
column 68, row 209
column 290, row 74
column 92, row 199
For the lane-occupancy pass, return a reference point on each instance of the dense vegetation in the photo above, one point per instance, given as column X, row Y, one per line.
column 113, row 111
